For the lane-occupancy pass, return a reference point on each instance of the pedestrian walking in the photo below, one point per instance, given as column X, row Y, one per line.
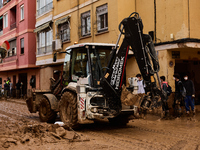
column 141, row 84
column 180, row 94
column 164, row 86
column 190, row 94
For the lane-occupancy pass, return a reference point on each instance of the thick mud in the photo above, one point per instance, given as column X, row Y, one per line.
column 20, row 129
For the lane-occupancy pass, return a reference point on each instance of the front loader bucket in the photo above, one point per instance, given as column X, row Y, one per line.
column 129, row 99
column 31, row 105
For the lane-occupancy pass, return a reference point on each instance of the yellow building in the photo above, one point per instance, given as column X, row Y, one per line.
column 172, row 23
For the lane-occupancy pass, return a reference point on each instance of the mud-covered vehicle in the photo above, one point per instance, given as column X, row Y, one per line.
column 93, row 78
column 77, row 95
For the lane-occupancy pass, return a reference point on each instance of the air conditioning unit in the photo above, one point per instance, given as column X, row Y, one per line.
column 57, row 44
column 14, row 49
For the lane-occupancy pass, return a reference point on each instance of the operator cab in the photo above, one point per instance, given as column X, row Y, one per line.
column 88, row 60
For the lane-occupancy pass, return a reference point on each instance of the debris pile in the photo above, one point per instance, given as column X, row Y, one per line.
column 37, row 134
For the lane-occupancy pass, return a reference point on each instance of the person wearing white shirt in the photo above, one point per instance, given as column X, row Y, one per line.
column 141, row 84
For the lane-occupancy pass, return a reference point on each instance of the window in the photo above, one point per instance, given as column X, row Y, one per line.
column 12, row 51
column 22, row 45
column 22, row 12
column 1, row 25
column 79, row 63
column 5, row 20
column 64, row 31
column 44, row 6
column 85, row 23
column 45, row 41
column 1, row 3
column 102, row 18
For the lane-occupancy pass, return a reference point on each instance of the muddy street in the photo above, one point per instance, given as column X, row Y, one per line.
column 20, row 129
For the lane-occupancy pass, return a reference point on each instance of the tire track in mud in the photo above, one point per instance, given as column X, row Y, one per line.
column 127, row 142
column 173, row 137
column 146, row 137
column 16, row 111
column 177, row 134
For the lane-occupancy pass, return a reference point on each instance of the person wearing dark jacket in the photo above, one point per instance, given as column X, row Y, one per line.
column 179, row 94
column 6, row 89
column 18, row 88
column 190, row 94
column 164, row 86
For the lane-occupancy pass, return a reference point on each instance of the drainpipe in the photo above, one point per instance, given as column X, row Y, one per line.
column 189, row 18
column 91, row 20
column 78, row 18
column 155, row 20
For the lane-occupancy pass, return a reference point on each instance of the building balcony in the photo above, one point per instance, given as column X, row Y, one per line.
column 12, row 26
column 45, row 8
column 44, row 50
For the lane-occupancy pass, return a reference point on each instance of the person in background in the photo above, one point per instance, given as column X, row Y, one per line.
column 18, row 87
column 11, row 89
column 141, row 90
column 179, row 96
column 141, row 84
column 8, row 82
column 6, row 89
column 190, row 94
column 164, row 86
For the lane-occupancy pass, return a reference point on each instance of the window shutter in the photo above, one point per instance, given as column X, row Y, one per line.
column 83, row 26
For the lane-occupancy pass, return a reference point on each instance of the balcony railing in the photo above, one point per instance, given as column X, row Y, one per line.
column 45, row 8
column 44, row 50
column 12, row 26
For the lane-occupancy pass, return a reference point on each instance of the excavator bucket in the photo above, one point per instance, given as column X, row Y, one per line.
column 129, row 99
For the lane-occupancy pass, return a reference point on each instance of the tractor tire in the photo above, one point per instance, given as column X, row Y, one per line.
column 69, row 110
column 119, row 120
column 46, row 114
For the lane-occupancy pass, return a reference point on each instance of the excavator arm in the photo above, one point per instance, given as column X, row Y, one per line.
column 145, row 55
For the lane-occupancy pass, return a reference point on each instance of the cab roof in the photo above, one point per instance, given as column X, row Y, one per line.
column 88, row 44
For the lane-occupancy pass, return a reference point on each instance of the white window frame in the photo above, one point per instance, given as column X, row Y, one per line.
column 5, row 20
column 44, row 6
column 102, row 11
column 85, row 23
column 22, row 12
column 45, row 38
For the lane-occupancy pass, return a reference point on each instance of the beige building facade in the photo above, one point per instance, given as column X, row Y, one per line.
column 173, row 24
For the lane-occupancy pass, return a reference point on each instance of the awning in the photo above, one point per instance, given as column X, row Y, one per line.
column 62, row 20
column 42, row 27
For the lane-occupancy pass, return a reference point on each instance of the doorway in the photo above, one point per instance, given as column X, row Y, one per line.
column 23, row 79
column 191, row 68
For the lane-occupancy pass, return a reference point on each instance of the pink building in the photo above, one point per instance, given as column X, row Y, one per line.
column 17, row 22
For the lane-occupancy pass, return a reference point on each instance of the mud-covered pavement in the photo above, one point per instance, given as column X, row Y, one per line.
column 20, row 129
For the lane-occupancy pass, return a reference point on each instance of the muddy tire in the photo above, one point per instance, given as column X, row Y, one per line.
column 119, row 120
column 46, row 114
column 68, row 109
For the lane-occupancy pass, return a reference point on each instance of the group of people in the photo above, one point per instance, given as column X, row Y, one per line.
column 184, row 94
column 8, row 88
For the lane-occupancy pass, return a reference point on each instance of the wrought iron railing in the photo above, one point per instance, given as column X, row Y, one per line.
column 45, row 8
column 44, row 50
